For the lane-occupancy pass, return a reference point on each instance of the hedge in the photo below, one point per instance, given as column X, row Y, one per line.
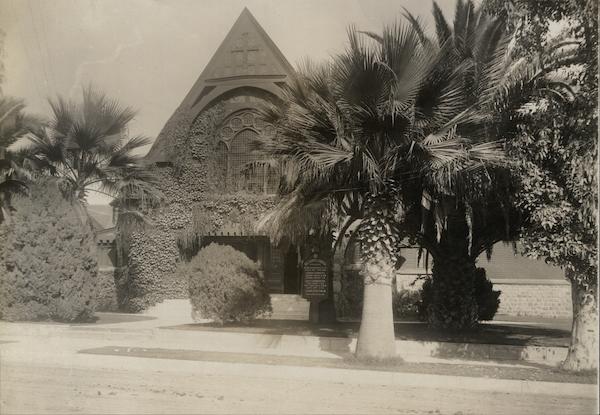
column 50, row 268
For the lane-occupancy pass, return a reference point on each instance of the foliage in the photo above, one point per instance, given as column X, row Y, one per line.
column 49, row 268
column 85, row 145
column 488, row 299
column 405, row 303
column 350, row 300
column 14, row 124
column 449, row 302
column 556, row 147
column 240, row 210
column 556, row 150
column 412, row 119
column 193, row 206
column 151, row 266
column 225, row 285
column 452, row 292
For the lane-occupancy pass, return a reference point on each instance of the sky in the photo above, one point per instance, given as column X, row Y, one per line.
column 148, row 53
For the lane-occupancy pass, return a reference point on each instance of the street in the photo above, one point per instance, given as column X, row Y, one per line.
column 48, row 375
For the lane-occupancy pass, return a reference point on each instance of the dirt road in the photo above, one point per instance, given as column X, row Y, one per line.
column 37, row 389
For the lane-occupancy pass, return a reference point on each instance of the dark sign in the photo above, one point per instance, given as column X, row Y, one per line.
column 314, row 279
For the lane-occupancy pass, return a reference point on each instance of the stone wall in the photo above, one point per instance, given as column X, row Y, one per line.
column 519, row 297
column 534, row 297
column 526, row 297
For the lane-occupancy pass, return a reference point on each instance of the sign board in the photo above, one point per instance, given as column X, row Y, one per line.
column 314, row 279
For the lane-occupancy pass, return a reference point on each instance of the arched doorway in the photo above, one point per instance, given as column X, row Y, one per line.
column 291, row 271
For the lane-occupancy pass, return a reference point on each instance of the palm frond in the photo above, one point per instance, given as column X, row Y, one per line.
column 442, row 28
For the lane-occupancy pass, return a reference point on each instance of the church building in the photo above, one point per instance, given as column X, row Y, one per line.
column 218, row 186
column 246, row 71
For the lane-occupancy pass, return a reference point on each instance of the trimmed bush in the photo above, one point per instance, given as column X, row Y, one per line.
column 451, row 296
column 225, row 285
column 49, row 269
column 488, row 300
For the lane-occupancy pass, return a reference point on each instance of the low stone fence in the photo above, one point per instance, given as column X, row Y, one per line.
column 534, row 297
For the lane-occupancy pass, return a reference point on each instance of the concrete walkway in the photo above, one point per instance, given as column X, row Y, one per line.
column 169, row 332
column 124, row 366
column 79, row 349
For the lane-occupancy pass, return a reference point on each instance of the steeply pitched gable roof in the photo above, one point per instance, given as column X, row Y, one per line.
column 247, row 57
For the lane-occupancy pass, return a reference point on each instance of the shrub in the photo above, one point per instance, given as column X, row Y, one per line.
column 49, row 269
column 405, row 303
column 486, row 299
column 350, row 299
column 225, row 285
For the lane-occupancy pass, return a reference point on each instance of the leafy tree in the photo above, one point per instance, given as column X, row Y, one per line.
column 386, row 128
column 48, row 268
column 556, row 149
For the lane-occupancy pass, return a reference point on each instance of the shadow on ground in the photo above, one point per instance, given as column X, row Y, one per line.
column 113, row 318
column 497, row 333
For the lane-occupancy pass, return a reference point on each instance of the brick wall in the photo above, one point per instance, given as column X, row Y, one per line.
column 544, row 298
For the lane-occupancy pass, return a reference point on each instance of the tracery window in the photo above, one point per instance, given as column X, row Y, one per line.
column 243, row 167
column 221, row 162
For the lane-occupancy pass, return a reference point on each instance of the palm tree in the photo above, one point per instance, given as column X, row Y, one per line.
column 86, row 147
column 14, row 124
column 463, row 218
column 359, row 134
column 402, row 134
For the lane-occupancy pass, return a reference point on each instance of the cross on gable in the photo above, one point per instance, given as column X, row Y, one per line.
column 243, row 48
column 245, row 55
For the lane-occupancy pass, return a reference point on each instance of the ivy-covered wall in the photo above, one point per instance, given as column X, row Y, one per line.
column 195, row 205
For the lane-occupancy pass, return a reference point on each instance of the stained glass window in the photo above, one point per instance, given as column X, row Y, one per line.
column 243, row 174
column 221, row 162
column 239, row 168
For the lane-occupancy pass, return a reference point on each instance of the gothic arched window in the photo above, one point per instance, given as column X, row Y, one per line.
column 244, row 167
column 221, row 162
column 243, row 173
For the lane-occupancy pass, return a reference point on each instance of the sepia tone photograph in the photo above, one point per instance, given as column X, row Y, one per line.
column 299, row 207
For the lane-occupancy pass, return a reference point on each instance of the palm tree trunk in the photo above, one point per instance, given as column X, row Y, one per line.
column 376, row 335
column 583, row 350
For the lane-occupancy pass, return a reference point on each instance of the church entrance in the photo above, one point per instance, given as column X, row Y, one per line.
column 279, row 264
column 291, row 271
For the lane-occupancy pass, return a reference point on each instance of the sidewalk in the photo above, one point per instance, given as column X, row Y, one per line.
column 127, row 341
column 145, row 356
column 495, row 344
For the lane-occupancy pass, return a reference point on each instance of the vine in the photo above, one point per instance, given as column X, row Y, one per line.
column 194, row 206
